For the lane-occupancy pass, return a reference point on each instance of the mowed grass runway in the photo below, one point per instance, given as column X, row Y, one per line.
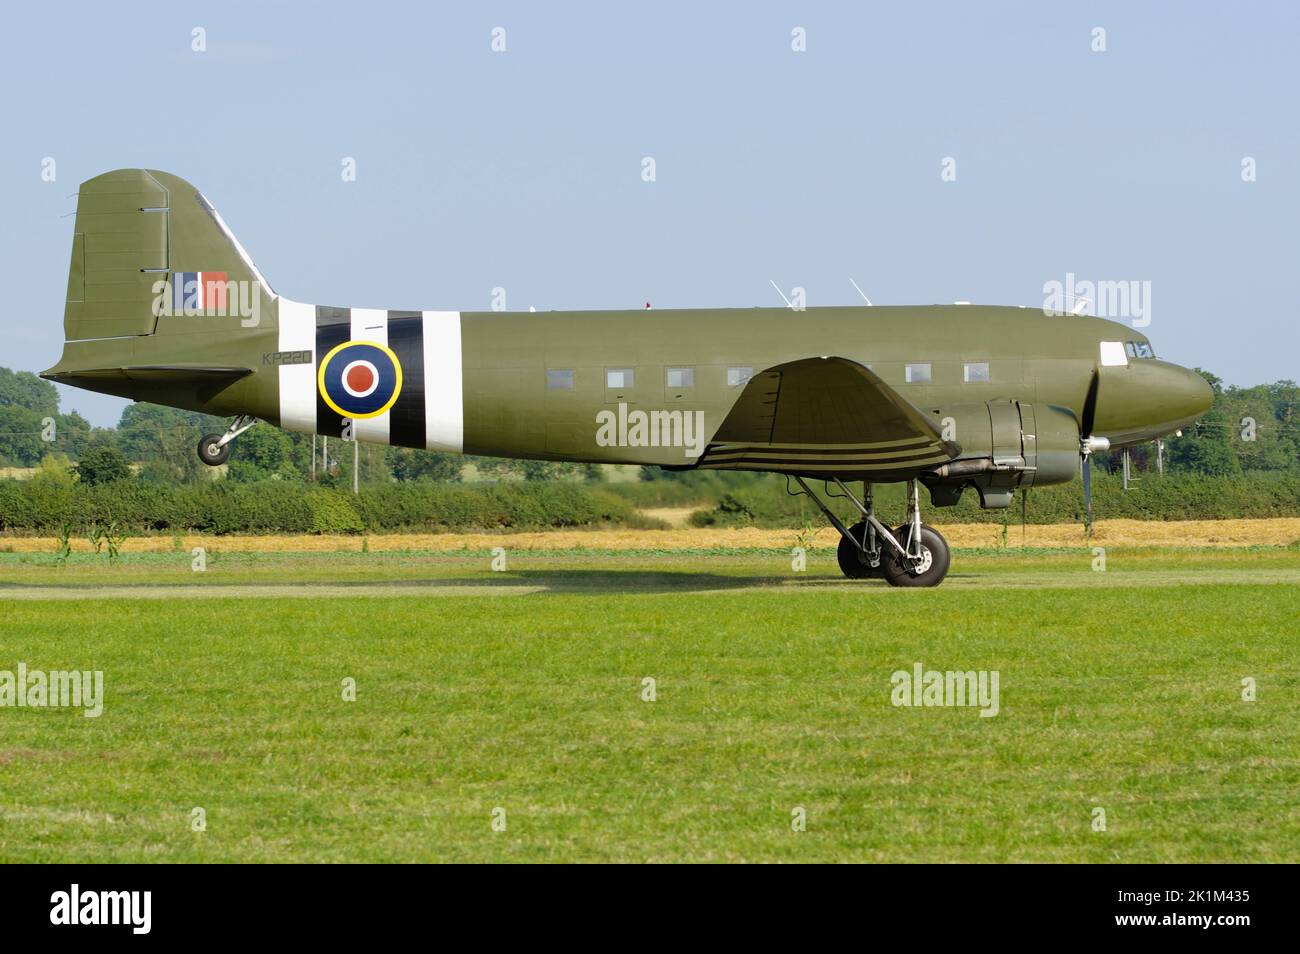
column 523, row 691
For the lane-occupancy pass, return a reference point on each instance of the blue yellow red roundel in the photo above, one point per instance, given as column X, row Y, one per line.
column 359, row 379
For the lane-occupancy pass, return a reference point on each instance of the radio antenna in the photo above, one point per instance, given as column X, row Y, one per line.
column 860, row 291
column 781, row 293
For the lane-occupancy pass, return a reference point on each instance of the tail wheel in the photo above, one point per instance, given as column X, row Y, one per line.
column 929, row 570
column 212, row 452
column 853, row 562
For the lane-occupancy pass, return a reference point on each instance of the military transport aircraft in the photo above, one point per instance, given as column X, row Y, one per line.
column 164, row 305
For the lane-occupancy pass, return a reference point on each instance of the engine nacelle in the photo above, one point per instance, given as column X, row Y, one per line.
column 1005, row 445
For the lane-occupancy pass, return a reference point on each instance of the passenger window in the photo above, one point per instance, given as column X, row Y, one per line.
column 738, row 376
column 619, row 378
column 976, row 371
column 559, row 380
column 680, row 377
column 917, row 374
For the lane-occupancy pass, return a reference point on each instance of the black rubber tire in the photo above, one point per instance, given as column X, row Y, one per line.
column 852, row 563
column 897, row 571
column 210, row 453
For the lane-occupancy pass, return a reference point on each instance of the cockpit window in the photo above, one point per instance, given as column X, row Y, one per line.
column 1113, row 353
column 1138, row 349
column 1130, row 349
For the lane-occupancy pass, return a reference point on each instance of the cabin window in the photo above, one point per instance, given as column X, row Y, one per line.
column 917, row 374
column 738, row 376
column 618, row 378
column 976, row 371
column 559, row 380
column 680, row 377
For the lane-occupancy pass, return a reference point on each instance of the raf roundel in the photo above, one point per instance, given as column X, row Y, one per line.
column 359, row 379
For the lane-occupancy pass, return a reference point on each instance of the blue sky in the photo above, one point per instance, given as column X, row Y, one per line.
column 522, row 169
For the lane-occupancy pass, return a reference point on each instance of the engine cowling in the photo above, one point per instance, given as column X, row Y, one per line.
column 1005, row 445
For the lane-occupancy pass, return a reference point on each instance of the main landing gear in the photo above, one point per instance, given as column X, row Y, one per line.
column 911, row 555
column 214, row 449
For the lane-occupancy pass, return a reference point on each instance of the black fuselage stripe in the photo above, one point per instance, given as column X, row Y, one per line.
column 406, row 340
column 333, row 328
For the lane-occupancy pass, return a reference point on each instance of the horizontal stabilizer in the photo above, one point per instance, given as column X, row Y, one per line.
column 165, row 373
column 178, row 385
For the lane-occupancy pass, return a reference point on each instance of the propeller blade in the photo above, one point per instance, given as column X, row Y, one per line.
column 1087, row 494
column 1090, row 406
column 1087, row 444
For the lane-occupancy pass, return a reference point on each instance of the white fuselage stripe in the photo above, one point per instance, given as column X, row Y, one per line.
column 371, row 324
column 297, row 381
column 444, row 410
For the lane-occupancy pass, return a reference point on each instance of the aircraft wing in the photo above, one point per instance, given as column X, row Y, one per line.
column 826, row 417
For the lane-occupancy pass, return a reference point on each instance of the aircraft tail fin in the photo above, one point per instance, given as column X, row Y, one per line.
column 147, row 246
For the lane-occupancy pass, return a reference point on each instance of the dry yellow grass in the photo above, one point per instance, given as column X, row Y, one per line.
column 675, row 517
column 1190, row 533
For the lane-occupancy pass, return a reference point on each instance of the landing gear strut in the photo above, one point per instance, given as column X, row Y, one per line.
column 913, row 555
column 860, row 552
column 214, row 449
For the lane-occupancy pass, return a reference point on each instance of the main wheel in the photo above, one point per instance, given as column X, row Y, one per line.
column 933, row 567
column 853, row 563
column 212, row 452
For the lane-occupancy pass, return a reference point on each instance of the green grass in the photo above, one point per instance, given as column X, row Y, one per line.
column 522, row 690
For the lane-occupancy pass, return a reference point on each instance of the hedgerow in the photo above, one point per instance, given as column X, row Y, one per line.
column 275, row 506
column 1172, row 497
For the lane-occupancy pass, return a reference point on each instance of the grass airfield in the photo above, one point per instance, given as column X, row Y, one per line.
column 522, row 690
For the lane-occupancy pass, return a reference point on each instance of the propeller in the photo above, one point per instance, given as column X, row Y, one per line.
column 1087, row 491
column 1088, row 445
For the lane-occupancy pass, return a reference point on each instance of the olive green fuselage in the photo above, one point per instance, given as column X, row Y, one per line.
column 534, row 384
column 1032, row 358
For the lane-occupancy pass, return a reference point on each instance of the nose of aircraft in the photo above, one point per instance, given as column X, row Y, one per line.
column 1148, row 399
column 1193, row 393
column 1177, row 395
